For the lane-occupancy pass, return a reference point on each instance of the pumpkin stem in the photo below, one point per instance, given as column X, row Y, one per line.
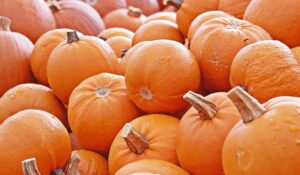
column 207, row 110
column 103, row 38
column 29, row 167
column 72, row 168
column 134, row 12
column 124, row 51
column 53, row 5
column 175, row 3
column 72, row 36
column 4, row 23
column 248, row 106
column 91, row 2
column 58, row 171
column 136, row 142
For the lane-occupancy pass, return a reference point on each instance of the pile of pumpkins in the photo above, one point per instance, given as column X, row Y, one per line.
column 149, row 87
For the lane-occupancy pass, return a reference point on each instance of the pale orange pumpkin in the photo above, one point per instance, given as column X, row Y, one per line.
column 116, row 31
column 105, row 6
column 119, row 44
column 169, row 16
column 147, row 6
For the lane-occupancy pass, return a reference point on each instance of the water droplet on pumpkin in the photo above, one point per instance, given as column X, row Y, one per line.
column 12, row 96
column 289, row 120
column 294, row 128
column 272, row 121
column 244, row 158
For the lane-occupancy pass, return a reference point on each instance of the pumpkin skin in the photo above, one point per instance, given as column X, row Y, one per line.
column 266, row 78
column 147, row 6
column 32, row 133
column 277, row 122
column 70, row 63
column 124, row 18
column 74, row 141
column 103, row 6
column 202, row 132
column 27, row 13
column 116, row 31
column 68, row 13
column 158, row 129
column 151, row 166
column 236, row 8
column 210, row 47
column 152, row 77
column 168, row 16
column 104, row 94
column 15, row 51
column 296, row 52
column 119, row 43
column 278, row 18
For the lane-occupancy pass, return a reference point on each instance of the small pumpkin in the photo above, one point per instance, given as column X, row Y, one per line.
column 119, row 44
column 168, row 16
column 104, row 6
column 77, row 15
column 147, row 6
column 131, row 18
column 116, row 31
column 152, row 77
column 151, row 167
column 147, row 137
column 267, row 135
column 34, row 134
column 15, row 51
column 76, row 59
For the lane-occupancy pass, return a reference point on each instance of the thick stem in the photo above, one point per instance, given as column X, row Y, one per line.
column 4, row 23
column 207, row 110
column 72, row 36
column 124, row 51
column 103, row 38
column 136, row 142
column 134, row 12
column 175, row 3
column 248, row 106
column 54, row 5
column 29, row 167
column 72, row 168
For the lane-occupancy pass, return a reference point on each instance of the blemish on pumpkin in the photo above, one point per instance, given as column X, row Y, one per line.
column 146, row 93
column 298, row 141
column 102, row 92
column 244, row 158
column 294, row 128
column 289, row 120
column 273, row 140
column 12, row 96
column 277, row 128
column 272, row 121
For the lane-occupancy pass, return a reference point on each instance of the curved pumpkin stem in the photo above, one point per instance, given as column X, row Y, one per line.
column 72, row 168
column 248, row 106
column 124, row 51
column 103, row 38
column 136, row 142
column 4, row 23
column 29, row 167
column 72, row 36
column 54, row 5
column 175, row 3
column 134, row 12
column 207, row 110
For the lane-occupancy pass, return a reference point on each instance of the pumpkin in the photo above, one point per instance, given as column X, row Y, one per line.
column 275, row 126
column 100, row 101
column 156, row 30
column 33, row 133
column 119, row 43
column 147, row 137
column 168, row 16
column 152, row 167
column 77, row 15
column 30, row 18
column 74, row 141
column 152, row 76
column 87, row 162
column 42, row 50
column 15, row 51
column 279, row 18
column 214, row 54
column 204, row 17
column 131, row 18
column 296, row 52
column 269, row 69
column 116, row 31
column 236, row 8
column 76, row 59
column 202, row 132
column 104, row 6
column 147, row 6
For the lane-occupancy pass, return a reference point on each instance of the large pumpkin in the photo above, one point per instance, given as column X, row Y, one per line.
column 147, row 137
column 119, row 44
column 151, row 167
column 77, row 15
column 168, row 16
column 33, row 134
column 30, row 17
column 15, row 52
column 214, row 54
column 105, row 6
column 116, row 31
column 269, row 69
column 268, row 136
column 155, row 74
column 77, row 59
column 236, row 8
column 279, row 18
column 102, row 102
column 147, row 6
column 202, row 132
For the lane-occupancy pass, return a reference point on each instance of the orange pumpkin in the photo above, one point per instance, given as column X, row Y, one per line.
column 116, row 31
column 168, row 16
column 211, row 47
column 104, row 6
column 102, row 102
column 42, row 50
column 279, row 18
column 268, row 136
column 33, row 134
column 131, row 18
column 87, row 162
column 202, row 132
column 77, row 59
column 152, row 76
column 77, row 15
column 31, row 18
column 74, row 141
column 151, row 167
column 236, row 8
column 119, row 43
column 296, row 52
column 159, row 29
column 147, row 6
column 15, row 52
column 266, row 78
column 147, row 137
